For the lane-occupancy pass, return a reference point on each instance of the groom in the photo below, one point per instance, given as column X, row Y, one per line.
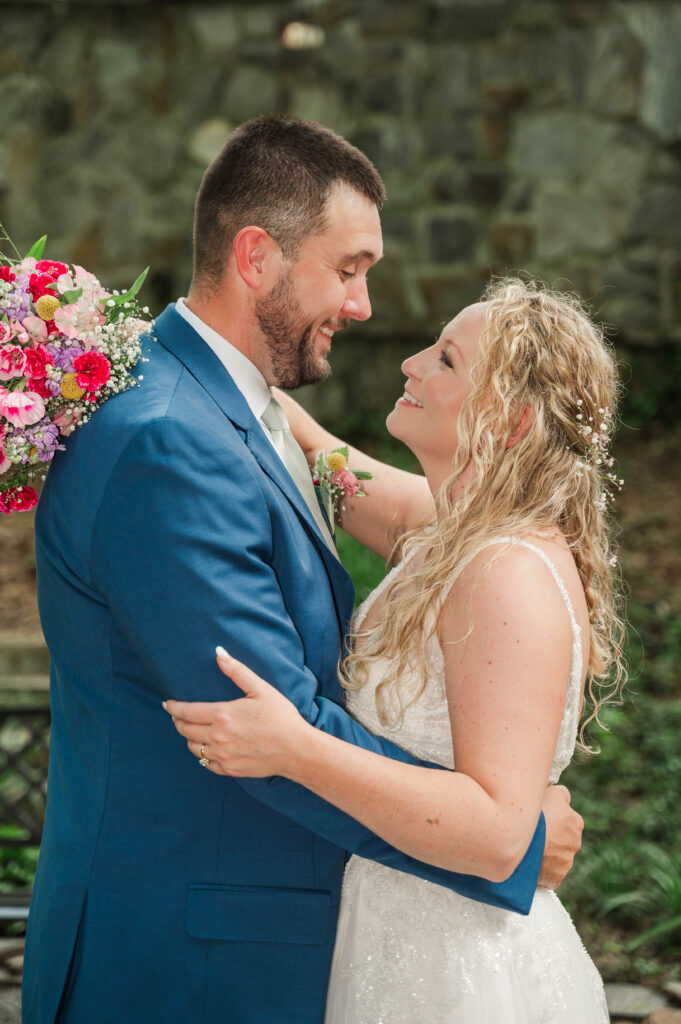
column 173, row 523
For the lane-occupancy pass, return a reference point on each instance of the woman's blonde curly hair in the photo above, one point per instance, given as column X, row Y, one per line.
column 538, row 350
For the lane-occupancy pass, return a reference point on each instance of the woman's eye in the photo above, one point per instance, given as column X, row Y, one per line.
column 444, row 358
column 348, row 274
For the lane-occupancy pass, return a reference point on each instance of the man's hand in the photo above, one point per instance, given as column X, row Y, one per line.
column 564, row 829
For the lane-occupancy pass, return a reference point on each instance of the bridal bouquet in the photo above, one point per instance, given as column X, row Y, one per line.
column 66, row 345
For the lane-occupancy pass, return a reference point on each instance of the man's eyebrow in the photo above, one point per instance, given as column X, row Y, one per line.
column 363, row 254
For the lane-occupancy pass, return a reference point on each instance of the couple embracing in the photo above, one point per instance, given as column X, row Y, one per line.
column 313, row 840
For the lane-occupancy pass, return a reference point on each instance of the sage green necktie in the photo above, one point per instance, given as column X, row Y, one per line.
column 293, row 458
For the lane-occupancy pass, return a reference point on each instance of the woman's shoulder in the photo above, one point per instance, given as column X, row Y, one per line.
column 532, row 576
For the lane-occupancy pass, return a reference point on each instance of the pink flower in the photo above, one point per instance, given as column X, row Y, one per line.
column 12, row 362
column 39, row 387
column 19, row 331
column 21, row 408
column 18, row 499
column 51, row 267
column 37, row 358
column 346, row 480
column 92, row 370
column 4, row 461
column 66, row 421
column 39, row 284
column 5, row 332
column 23, row 499
column 36, row 327
column 65, row 319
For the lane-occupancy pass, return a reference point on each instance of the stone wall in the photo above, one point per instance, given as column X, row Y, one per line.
column 535, row 134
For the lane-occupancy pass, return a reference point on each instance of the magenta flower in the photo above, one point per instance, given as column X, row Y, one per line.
column 12, row 362
column 21, row 408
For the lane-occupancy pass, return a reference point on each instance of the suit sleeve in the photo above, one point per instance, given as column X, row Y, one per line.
column 182, row 552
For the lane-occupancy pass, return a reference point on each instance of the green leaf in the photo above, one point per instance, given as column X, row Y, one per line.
column 362, row 474
column 71, row 296
column 345, row 451
column 131, row 292
column 659, row 929
column 37, row 249
column 319, row 464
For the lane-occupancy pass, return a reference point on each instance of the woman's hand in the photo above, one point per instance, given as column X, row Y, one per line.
column 255, row 736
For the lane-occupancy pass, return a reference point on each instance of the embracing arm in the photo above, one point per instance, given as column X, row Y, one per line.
column 394, row 500
column 182, row 552
column 506, row 688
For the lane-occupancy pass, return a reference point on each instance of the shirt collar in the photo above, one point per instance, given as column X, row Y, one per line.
column 243, row 372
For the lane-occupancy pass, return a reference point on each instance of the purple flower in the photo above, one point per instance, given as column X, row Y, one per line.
column 18, row 302
column 44, row 437
column 64, row 356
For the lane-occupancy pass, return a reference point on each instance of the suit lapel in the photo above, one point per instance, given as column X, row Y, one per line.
column 175, row 334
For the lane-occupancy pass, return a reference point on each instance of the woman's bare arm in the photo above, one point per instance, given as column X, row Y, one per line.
column 394, row 500
column 506, row 688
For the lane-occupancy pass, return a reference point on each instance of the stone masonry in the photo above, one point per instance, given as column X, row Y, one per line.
column 542, row 135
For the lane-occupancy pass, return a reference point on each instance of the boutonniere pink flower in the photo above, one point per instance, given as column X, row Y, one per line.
column 335, row 480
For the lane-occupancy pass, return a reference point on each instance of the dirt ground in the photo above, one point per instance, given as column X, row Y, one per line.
column 649, row 510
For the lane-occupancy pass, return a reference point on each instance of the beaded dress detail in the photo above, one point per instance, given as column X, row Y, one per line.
column 409, row 951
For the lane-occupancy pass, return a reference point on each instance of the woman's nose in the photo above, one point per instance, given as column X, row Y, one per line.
column 413, row 365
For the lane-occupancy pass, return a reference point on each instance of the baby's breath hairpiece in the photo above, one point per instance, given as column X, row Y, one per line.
column 595, row 436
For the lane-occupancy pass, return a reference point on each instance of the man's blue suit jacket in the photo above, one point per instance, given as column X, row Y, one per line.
column 165, row 893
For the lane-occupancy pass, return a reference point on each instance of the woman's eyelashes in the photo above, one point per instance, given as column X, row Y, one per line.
column 444, row 358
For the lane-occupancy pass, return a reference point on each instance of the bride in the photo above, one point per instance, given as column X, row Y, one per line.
column 495, row 631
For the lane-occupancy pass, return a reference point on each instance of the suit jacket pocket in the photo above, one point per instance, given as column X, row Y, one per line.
column 244, row 913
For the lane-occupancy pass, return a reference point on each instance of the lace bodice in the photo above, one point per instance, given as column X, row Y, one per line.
column 425, row 731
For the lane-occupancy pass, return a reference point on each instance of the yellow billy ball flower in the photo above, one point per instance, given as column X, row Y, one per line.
column 69, row 387
column 47, row 306
column 337, row 461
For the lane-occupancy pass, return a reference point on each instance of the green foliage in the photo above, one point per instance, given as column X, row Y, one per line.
column 654, row 647
column 365, row 568
column 17, row 865
column 651, row 379
column 37, row 249
column 629, row 869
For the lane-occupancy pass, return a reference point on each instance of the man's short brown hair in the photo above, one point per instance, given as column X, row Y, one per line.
column 275, row 171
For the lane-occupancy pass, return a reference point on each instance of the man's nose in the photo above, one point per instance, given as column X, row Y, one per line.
column 357, row 305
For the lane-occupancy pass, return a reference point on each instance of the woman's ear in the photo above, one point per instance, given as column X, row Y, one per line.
column 521, row 427
column 254, row 251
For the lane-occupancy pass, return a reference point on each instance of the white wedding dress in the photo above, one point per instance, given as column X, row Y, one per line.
column 409, row 951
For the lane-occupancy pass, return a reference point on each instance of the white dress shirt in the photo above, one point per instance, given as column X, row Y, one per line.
column 243, row 372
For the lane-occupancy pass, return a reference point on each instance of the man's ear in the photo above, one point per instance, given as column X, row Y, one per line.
column 255, row 253
column 521, row 427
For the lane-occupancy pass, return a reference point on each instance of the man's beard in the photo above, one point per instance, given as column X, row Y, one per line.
column 290, row 345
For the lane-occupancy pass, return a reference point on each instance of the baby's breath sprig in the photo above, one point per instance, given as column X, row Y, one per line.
column 595, row 434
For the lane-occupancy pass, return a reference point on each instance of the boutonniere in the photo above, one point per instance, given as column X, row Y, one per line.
column 335, row 480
